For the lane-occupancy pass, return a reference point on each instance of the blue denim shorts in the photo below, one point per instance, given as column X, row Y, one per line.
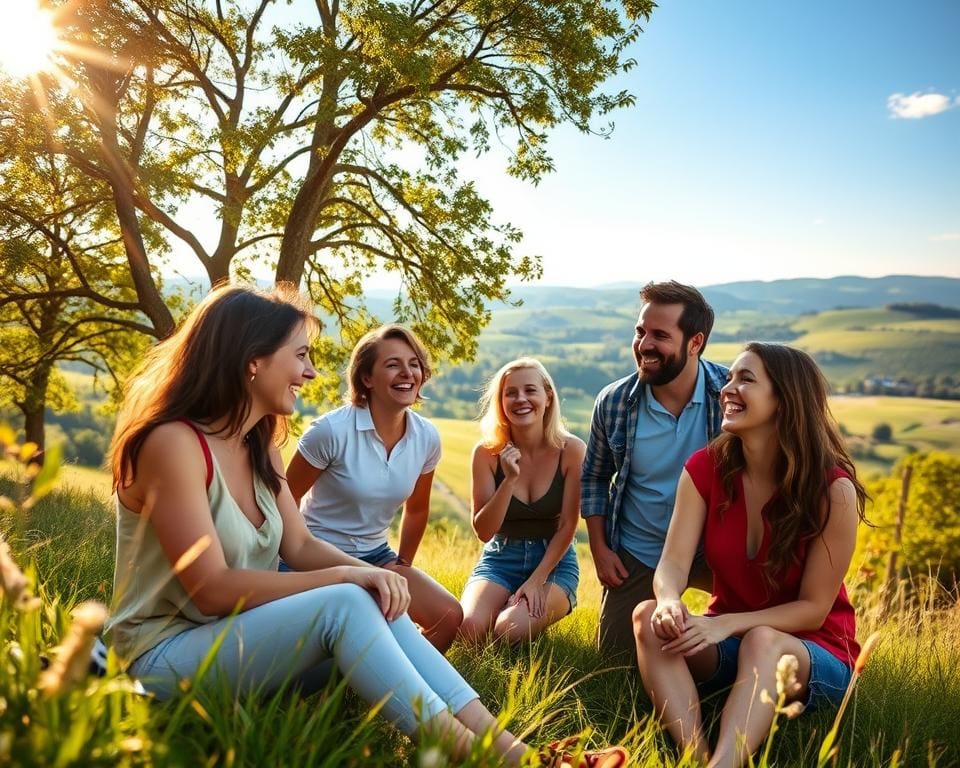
column 828, row 675
column 509, row 562
column 381, row 556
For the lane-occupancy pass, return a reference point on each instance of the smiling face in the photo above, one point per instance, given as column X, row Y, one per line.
column 278, row 377
column 396, row 374
column 658, row 344
column 523, row 398
column 748, row 399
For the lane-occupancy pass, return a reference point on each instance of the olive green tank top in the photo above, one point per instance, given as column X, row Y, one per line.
column 537, row 519
column 150, row 604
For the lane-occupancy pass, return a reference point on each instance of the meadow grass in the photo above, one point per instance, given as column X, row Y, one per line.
column 904, row 712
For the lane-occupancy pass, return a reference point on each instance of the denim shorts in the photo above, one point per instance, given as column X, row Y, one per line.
column 509, row 562
column 381, row 556
column 828, row 675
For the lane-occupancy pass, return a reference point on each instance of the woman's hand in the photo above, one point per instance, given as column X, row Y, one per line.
column 510, row 462
column 390, row 588
column 535, row 595
column 700, row 632
column 669, row 619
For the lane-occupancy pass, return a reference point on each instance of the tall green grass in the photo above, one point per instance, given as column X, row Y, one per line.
column 904, row 712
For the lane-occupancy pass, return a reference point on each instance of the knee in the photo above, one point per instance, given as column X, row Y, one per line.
column 474, row 630
column 759, row 644
column 642, row 630
column 514, row 632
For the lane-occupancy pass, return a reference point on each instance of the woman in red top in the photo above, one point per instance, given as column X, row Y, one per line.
column 776, row 502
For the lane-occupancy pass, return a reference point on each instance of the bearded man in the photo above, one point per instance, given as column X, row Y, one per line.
column 644, row 428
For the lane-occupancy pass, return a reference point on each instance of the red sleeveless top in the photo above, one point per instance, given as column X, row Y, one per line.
column 739, row 583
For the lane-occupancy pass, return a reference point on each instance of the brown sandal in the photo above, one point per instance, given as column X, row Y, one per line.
column 563, row 754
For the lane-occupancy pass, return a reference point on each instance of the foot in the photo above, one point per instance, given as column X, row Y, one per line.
column 564, row 754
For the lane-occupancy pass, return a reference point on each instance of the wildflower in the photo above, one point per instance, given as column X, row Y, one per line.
column 787, row 675
column 766, row 698
column 432, row 758
column 865, row 652
column 73, row 654
column 14, row 582
column 793, row 710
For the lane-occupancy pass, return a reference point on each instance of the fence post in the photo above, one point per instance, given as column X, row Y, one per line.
column 893, row 585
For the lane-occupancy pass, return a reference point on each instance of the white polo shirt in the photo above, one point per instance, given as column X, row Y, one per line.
column 360, row 490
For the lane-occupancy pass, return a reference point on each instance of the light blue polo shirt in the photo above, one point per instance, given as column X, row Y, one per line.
column 360, row 489
column 661, row 447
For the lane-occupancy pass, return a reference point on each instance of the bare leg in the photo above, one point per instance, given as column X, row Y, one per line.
column 746, row 720
column 482, row 601
column 669, row 681
column 461, row 730
column 516, row 625
column 432, row 608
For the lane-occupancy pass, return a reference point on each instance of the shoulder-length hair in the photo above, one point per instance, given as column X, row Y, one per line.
column 200, row 374
column 494, row 426
column 809, row 448
column 364, row 356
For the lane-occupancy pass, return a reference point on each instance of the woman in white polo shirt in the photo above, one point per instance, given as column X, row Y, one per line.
column 355, row 466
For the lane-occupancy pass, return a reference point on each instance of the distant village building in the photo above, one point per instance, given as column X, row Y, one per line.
column 885, row 385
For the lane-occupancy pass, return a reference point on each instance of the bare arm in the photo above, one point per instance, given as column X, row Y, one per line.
column 490, row 502
column 828, row 558
column 670, row 579
column 416, row 511
column 174, row 496
column 301, row 475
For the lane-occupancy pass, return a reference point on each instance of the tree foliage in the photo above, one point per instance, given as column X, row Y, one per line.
column 931, row 530
column 64, row 293
column 324, row 138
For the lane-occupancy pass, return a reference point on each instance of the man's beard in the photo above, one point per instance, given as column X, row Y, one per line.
column 667, row 371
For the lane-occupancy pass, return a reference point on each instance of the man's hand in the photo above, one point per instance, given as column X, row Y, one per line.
column 610, row 568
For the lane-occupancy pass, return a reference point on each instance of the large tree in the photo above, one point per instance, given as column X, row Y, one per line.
column 65, row 295
column 324, row 137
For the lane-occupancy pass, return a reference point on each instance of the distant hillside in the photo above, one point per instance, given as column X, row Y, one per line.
column 785, row 297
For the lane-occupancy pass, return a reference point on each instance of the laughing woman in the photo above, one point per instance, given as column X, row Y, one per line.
column 526, row 504
column 355, row 466
column 776, row 502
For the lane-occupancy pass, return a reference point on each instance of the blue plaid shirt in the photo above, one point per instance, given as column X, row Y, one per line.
column 606, row 465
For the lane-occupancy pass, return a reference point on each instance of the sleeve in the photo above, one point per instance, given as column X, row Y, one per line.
column 434, row 448
column 701, row 469
column 317, row 445
column 598, row 466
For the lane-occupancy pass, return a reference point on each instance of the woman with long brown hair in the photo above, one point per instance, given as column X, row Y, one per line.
column 204, row 511
column 776, row 502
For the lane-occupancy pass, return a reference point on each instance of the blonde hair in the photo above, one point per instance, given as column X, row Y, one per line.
column 364, row 356
column 494, row 427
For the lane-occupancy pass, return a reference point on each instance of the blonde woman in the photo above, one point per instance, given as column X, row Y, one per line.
column 526, row 503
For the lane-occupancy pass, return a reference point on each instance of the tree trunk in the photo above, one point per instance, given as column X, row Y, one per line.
column 34, row 407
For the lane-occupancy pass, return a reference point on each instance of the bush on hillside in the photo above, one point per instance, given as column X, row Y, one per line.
column 930, row 545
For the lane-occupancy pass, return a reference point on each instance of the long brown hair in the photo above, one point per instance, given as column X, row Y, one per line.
column 200, row 374
column 810, row 447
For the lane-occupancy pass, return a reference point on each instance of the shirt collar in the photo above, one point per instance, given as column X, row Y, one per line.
column 364, row 420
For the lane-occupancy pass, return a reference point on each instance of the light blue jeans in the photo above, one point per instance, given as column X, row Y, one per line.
column 294, row 639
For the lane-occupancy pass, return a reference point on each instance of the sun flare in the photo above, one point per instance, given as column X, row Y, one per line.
column 27, row 38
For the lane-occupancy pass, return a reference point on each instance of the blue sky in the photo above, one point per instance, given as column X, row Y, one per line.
column 764, row 144
column 769, row 139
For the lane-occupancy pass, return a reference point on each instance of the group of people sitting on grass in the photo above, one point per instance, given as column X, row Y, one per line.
column 735, row 481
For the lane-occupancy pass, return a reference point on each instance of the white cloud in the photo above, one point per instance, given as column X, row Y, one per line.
column 946, row 237
column 917, row 105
